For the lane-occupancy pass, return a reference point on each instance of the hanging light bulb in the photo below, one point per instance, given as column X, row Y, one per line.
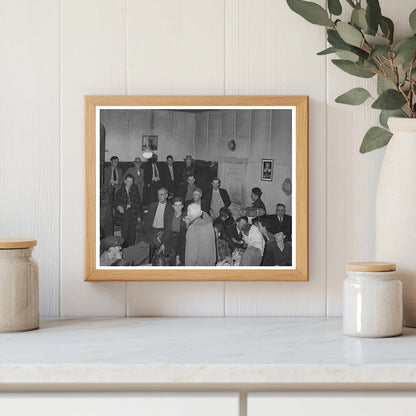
column 146, row 148
column 147, row 152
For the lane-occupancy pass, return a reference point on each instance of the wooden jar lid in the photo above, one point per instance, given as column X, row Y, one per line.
column 12, row 243
column 371, row 266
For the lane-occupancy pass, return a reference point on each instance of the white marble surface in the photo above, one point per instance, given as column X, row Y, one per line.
column 204, row 351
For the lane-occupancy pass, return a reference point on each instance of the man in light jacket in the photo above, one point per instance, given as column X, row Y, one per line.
column 200, row 247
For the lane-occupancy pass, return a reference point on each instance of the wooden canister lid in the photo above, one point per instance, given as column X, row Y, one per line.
column 12, row 243
column 371, row 266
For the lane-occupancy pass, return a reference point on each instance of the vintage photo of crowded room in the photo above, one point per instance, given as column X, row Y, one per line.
column 192, row 187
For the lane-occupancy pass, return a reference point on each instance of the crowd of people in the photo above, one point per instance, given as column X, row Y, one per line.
column 166, row 219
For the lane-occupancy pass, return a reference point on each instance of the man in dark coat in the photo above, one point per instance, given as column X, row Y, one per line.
column 152, row 180
column 217, row 198
column 113, row 176
column 234, row 233
column 158, row 219
column 171, row 176
column 128, row 210
column 188, row 170
column 281, row 222
column 174, row 241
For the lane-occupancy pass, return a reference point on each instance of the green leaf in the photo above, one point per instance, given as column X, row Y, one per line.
column 349, row 34
column 348, row 56
column 383, row 84
column 336, row 41
column 370, row 65
column 327, row 51
column 356, row 96
column 358, row 18
column 389, row 100
column 352, row 68
column 387, row 27
column 311, row 12
column 381, row 50
column 405, row 50
column 386, row 114
column 412, row 20
column 375, row 138
column 373, row 15
column 334, row 7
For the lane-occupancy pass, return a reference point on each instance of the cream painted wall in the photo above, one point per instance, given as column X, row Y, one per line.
column 56, row 51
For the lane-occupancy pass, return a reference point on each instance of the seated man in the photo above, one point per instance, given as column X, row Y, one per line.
column 255, row 246
column 234, row 233
column 112, row 254
column 225, row 218
column 255, row 196
column 281, row 222
column 223, row 250
column 110, row 250
column 282, row 252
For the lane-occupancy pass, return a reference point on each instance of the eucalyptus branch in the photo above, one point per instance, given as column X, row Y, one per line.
column 366, row 39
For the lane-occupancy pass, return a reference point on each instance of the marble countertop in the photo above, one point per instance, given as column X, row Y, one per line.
column 180, row 351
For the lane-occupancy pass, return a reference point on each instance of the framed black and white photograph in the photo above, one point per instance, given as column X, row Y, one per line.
column 267, row 170
column 168, row 197
column 149, row 142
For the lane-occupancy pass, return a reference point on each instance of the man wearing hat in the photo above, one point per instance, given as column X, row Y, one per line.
column 111, row 250
column 138, row 175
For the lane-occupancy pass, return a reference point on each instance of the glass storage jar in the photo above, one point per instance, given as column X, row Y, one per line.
column 19, row 286
column 372, row 300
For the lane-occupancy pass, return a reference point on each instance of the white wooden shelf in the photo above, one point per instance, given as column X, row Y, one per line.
column 176, row 353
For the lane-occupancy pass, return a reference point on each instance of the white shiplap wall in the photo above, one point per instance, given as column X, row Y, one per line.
column 55, row 52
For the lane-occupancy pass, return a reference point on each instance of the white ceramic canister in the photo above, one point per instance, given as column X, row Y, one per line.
column 372, row 300
column 19, row 286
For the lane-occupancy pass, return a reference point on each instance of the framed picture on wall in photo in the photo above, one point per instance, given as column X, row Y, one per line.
column 168, row 198
column 267, row 170
column 149, row 142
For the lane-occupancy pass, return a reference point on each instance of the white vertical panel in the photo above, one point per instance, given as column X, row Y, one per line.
column 175, row 47
column 175, row 299
column 328, row 404
column 29, row 135
column 93, row 62
column 126, row 404
column 270, row 50
column 353, row 177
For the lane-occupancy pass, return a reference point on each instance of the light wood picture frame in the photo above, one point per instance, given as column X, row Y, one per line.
column 240, row 117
